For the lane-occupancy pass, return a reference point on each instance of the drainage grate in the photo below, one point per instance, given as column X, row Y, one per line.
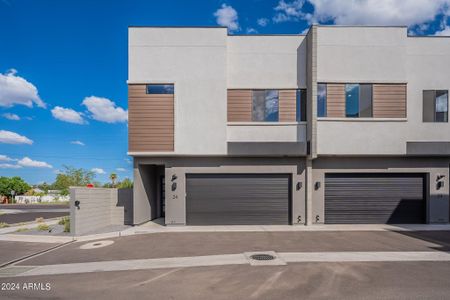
column 262, row 257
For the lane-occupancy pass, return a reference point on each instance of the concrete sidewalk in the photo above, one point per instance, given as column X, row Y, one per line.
column 157, row 226
column 6, row 234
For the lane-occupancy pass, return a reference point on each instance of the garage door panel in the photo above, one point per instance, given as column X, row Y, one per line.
column 229, row 199
column 374, row 198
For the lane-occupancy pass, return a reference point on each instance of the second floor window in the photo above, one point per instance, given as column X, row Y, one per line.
column 160, row 89
column 301, row 105
column 358, row 100
column 265, row 106
column 322, row 100
column 435, row 106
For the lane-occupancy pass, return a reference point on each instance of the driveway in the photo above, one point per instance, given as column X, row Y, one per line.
column 159, row 245
column 14, row 250
column 18, row 213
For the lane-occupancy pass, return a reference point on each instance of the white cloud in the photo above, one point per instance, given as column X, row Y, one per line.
column 121, row 169
column 67, row 115
column 5, row 158
column 11, row 116
column 289, row 11
column 444, row 32
column 105, row 110
column 98, row 170
column 227, row 16
column 263, row 22
column 80, row 143
column 251, row 30
column 377, row 12
column 28, row 162
column 9, row 137
column 9, row 166
column 16, row 90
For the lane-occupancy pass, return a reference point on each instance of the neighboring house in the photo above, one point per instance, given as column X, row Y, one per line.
column 37, row 199
column 345, row 124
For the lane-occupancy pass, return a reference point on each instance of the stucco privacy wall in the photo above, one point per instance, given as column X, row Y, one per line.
column 387, row 55
column 194, row 60
column 97, row 209
column 176, row 200
column 438, row 205
column 265, row 62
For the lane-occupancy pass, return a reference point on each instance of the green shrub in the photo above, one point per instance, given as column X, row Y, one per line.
column 43, row 227
column 3, row 225
column 64, row 220
column 67, row 226
column 22, row 229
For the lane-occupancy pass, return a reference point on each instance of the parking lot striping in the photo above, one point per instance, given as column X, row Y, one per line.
column 232, row 259
column 155, row 278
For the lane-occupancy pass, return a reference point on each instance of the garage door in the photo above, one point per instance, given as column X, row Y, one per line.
column 233, row 199
column 374, row 198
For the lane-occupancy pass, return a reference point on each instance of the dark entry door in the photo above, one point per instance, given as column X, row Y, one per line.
column 374, row 198
column 232, row 199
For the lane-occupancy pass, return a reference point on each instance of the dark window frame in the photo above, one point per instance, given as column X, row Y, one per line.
column 301, row 104
column 169, row 92
column 434, row 119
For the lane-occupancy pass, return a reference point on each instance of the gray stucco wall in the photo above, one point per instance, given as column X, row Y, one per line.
column 98, row 209
column 176, row 199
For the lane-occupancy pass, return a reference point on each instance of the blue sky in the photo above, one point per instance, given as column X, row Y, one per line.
column 63, row 66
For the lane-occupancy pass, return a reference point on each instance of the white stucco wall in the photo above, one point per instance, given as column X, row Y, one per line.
column 194, row 59
column 381, row 54
column 281, row 132
column 266, row 62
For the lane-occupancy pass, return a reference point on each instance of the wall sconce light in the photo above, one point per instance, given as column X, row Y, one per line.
column 174, row 177
column 317, row 185
column 299, row 186
column 174, row 186
column 440, row 181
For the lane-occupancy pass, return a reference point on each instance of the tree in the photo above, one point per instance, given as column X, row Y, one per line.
column 125, row 184
column 16, row 184
column 113, row 177
column 72, row 177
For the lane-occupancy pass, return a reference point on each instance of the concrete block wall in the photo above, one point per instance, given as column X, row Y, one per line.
column 98, row 208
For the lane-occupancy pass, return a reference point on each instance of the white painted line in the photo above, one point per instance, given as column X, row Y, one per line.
column 232, row 259
column 364, row 256
column 139, row 264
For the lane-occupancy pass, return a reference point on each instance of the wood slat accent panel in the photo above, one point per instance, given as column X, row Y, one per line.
column 389, row 100
column 287, row 105
column 239, row 106
column 150, row 120
column 335, row 100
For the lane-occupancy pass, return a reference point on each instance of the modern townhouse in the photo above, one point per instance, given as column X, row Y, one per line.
column 345, row 124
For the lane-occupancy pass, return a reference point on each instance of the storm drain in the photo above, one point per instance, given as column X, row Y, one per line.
column 264, row 258
column 260, row 256
column 97, row 244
